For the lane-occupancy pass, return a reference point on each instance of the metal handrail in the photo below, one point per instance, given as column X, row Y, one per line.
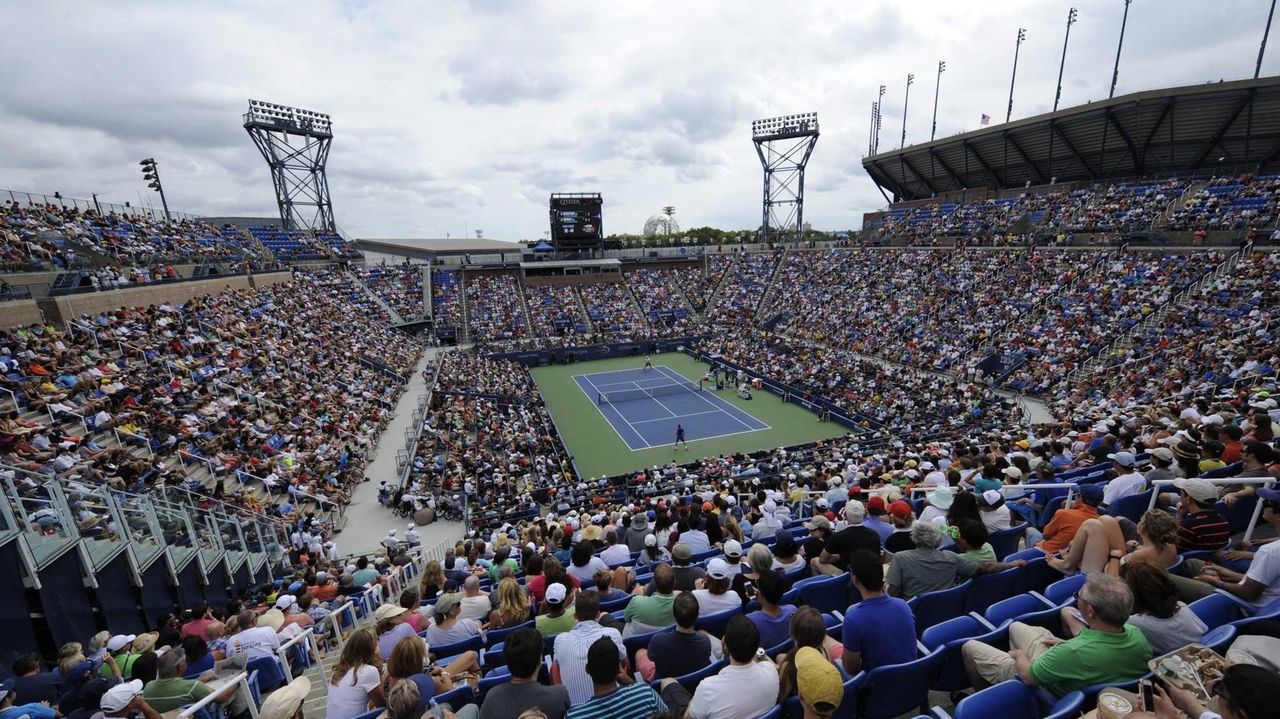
column 1257, row 509
column 242, row 679
column 334, row 622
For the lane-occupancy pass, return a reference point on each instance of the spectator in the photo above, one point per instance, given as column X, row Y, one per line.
column 448, row 626
column 877, row 510
column 773, row 618
column 522, row 651
column 1166, row 622
column 553, row 619
column 513, row 605
column 41, row 710
column 971, row 540
column 874, row 627
column 475, row 602
column 571, row 648
column 201, row 617
column 1260, row 585
column 808, row 631
column 404, row 701
column 1107, row 650
column 733, row 556
column 1200, row 526
column 818, row 683
column 170, row 690
column 286, row 702
column 1244, row 692
column 834, row 558
column 678, row 650
column 253, row 639
column 603, row 585
column 1062, row 528
column 391, row 628
column 745, row 689
column 614, row 553
column 355, row 683
column 994, row 511
column 714, row 596
column 652, row 553
column 687, row 576
column 903, row 519
column 122, row 700
column 655, row 611
column 406, row 667
column 608, row 700
column 786, row 554
column 585, row 564
column 926, row 568
column 1128, row 480
column 32, row 686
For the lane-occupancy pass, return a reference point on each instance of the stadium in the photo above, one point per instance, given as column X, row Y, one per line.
column 1006, row 448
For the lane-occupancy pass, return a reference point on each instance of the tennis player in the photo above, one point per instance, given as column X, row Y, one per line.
column 648, row 362
column 680, row 438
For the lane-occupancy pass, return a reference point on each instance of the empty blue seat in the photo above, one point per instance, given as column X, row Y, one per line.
column 1015, row 700
column 691, row 680
column 1215, row 610
column 1007, row 610
column 987, row 589
column 1064, row 590
column 714, row 624
column 898, row 688
column 826, row 594
column 1131, row 507
column 1005, row 541
column 934, row 607
column 947, row 638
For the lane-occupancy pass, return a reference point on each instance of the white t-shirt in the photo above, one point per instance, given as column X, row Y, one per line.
column 709, row 603
column 1265, row 569
column 737, row 692
column 347, row 699
column 477, row 608
column 255, row 643
column 996, row 519
column 1123, row 486
column 585, row 575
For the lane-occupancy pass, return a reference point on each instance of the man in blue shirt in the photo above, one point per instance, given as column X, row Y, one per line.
column 877, row 510
column 31, row 685
column 8, row 710
column 880, row 630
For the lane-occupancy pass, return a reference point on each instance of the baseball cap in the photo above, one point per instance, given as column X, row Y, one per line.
column 1091, row 494
column 390, row 611
column 650, row 540
column 818, row 681
column 900, row 509
column 682, row 552
column 1012, row 472
column 1124, row 459
column 1164, row 454
column 718, row 569
column 769, row 507
column 876, row 505
column 285, row 601
column 1198, row 489
column 733, row 548
column 118, row 642
column 556, row 593
column 118, row 697
column 818, row 522
column 992, row 498
column 447, row 602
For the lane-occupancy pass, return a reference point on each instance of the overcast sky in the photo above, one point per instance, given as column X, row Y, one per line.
column 450, row 115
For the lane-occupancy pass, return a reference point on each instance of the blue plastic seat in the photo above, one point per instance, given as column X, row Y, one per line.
column 848, row 708
column 1015, row 700
column 1064, row 590
column 714, row 624
column 270, row 675
column 1005, row 541
column 1219, row 638
column 691, row 680
column 987, row 589
column 1131, row 507
column 495, row 637
column 1006, row 611
column 1036, row 575
column 934, row 607
column 1215, row 610
column 898, row 688
column 456, row 698
column 826, row 594
column 475, row 644
column 947, row 638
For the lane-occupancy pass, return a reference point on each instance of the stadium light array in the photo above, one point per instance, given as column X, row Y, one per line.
column 802, row 124
column 271, row 113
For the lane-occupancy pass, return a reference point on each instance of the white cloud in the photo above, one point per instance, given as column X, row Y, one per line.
column 455, row 114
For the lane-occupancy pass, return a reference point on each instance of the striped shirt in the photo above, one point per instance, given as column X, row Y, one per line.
column 1203, row 530
column 571, row 656
column 634, row 701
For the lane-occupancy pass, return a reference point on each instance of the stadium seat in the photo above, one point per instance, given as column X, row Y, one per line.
column 1015, row 700
column 270, row 675
column 691, row 680
column 848, row 708
column 1005, row 541
column 1216, row 609
column 947, row 638
column 455, row 698
column 1010, row 609
column 826, row 594
column 987, row 589
column 1064, row 590
column 898, row 688
column 475, row 644
column 934, row 607
column 714, row 624
column 1131, row 507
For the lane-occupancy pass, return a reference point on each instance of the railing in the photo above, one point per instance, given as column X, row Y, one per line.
column 332, row 623
column 1257, row 509
column 307, row 637
column 127, row 210
column 242, row 679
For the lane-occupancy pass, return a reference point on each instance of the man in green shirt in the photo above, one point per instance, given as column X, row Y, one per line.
column 554, row 619
column 646, row 614
column 1106, row 650
column 170, row 690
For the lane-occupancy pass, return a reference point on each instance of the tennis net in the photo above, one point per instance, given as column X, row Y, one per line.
column 662, row 390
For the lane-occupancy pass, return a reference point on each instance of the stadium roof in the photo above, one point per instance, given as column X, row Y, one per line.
column 1229, row 125
column 433, row 246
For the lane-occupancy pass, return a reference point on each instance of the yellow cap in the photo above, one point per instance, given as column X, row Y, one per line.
column 818, row 681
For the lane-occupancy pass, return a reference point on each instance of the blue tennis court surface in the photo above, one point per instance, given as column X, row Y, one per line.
column 650, row 422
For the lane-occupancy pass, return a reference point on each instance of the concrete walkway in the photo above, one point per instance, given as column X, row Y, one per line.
column 368, row 521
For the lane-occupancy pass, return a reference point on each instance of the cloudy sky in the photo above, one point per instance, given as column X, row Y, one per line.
column 453, row 115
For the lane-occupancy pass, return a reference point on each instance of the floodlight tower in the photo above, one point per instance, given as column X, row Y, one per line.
column 295, row 144
column 784, row 145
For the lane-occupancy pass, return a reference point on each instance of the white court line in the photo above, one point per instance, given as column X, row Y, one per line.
column 718, row 408
column 605, row 417
column 682, row 416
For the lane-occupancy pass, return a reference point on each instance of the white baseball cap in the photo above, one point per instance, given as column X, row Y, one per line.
column 718, row 568
column 733, row 548
column 118, row 642
column 119, row 696
column 556, row 593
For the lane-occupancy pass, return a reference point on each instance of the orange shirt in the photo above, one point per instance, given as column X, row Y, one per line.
column 324, row 593
column 1063, row 527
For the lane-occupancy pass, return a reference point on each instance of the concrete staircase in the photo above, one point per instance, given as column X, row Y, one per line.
column 464, row 332
column 524, row 306
column 644, row 315
column 582, row 309
column 395, row 316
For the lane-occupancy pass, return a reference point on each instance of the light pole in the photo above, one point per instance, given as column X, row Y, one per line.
column 879, row 107
column 905, row 98
column 1071, row 20
column 152, row 177
column 1115, row 72
column 1262, row 49
column 1022, row 35
column 942, row 67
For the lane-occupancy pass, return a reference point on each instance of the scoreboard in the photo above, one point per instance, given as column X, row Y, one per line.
column 576, row 222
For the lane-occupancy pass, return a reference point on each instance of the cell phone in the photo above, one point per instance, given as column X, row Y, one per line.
column 1147, row 692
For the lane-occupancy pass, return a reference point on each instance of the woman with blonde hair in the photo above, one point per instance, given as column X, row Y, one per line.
column 731, row 528
column 356, row 681
column 433, row 580
column 409, row 661
column 513, row 605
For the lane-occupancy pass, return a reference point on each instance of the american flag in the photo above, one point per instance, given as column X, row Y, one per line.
column 986, row 119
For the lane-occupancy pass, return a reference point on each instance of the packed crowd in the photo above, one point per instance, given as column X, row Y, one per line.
column 662, row 301
column 446, row 297
column 613, row 310
column 494, row 309
column 400, row 286
column 1229, row 203
column 1126, row 207
column 555, row 310
column 738, row 294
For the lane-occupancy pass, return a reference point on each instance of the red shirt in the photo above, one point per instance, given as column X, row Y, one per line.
column 1231, row 454
column 196, row 627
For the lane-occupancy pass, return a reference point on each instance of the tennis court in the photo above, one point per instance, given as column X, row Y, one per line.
column 644, row 406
